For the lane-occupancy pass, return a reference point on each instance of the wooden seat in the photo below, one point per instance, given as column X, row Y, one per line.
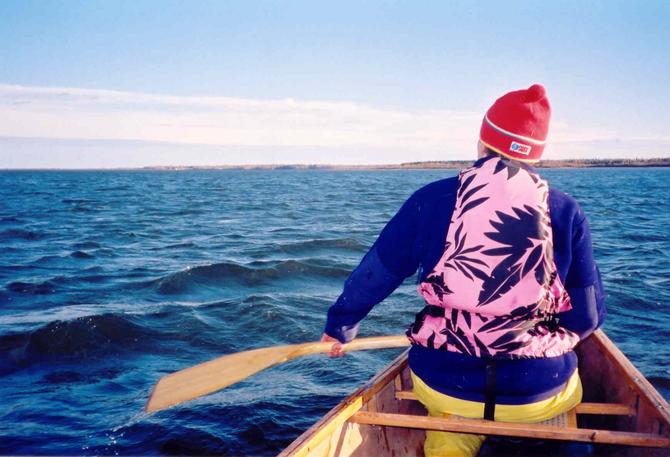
column 567, row 419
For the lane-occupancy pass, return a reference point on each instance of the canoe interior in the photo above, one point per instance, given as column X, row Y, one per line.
column 607, row 377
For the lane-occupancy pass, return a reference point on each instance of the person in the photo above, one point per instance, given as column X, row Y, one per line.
column 505, row 266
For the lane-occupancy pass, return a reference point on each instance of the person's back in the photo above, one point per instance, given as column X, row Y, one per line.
column 506, row 270
column 495, row 292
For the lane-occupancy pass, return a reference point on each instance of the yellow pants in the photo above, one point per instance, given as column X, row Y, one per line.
column 447, row 444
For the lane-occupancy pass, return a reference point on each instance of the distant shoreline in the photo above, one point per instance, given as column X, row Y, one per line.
column 427, row 165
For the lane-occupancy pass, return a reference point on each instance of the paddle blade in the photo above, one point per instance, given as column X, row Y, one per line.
column 214, row 375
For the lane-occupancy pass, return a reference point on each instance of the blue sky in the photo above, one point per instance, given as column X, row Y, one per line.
column 132, row 83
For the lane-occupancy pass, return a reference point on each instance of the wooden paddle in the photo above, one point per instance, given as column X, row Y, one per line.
column 224, row 371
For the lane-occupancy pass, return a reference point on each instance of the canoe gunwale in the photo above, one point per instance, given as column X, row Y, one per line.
column 344, row 410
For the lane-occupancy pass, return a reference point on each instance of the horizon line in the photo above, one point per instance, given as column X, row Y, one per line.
column 417, row 165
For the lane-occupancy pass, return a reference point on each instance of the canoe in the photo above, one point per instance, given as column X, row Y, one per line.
column 621, row 414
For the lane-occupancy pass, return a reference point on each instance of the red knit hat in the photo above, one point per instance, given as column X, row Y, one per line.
column 516, row 125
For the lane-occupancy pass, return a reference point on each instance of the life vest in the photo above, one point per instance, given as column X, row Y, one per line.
column 495, row 291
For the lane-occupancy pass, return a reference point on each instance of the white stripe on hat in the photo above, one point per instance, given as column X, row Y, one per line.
column 513, row 135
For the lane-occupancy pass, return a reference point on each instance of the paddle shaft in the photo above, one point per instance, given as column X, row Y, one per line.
column 375, row 342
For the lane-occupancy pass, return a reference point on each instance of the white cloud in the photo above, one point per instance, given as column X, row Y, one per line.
column 100, row 114
column 361, row 133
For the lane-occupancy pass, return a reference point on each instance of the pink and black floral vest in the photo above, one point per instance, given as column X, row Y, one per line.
column 495, row 291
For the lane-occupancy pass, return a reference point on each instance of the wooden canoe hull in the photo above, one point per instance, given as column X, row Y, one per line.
column 633, row 407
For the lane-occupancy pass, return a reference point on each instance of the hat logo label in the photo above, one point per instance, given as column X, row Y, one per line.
column 519, row 148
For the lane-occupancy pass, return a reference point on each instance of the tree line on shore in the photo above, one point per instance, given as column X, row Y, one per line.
column 435, row 164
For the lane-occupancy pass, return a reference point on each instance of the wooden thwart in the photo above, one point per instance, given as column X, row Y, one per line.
column 453, row 424
column 614, row 409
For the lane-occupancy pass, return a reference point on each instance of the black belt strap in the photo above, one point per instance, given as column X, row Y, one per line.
column 490, row 398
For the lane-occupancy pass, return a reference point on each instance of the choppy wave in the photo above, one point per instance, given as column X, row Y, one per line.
column 86, row 245
column 21, row 234
column 316, row 244
column 82, row 255
column 9, row 219
column 78, row 338
column 661, row 382
column 37, row 288
column 217, row 274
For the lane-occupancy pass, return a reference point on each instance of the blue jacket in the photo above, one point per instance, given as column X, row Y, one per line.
column 413, row 240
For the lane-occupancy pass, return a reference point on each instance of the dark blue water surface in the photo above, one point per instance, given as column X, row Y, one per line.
column 112, row 279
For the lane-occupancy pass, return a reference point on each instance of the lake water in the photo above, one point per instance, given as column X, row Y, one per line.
column 111, row 279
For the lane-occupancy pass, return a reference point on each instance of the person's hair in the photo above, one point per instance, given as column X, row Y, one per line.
column 491, row 152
